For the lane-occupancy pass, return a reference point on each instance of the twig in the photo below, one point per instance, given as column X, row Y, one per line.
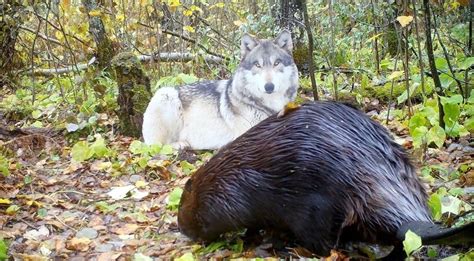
column 40, row 35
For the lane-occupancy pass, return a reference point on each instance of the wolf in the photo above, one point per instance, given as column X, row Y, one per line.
column 210, row 114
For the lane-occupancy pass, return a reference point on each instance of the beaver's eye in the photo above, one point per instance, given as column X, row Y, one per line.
column 257, row 65
column 277, row 62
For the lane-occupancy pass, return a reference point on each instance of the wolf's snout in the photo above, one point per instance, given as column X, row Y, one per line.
column 269, row 87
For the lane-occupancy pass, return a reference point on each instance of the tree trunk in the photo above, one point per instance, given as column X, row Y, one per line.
column 471, row 11
column 310, row 50
column 289, row 12
column 420, row 55
column 105, row 50
column 10, row 23
column 134, row 93
column 431, row 60
column 376, row 41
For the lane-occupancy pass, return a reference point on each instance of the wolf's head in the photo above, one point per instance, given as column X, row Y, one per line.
column 267, row 73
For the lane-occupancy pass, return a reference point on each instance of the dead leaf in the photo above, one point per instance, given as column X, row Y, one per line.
column 126, row 229
column 78, row 244
column 404, row 20
column 108, row 256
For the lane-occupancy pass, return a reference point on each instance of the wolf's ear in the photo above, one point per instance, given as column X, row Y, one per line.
column 284, row 40
column 247, row 44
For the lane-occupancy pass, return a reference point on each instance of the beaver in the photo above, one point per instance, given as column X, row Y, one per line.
column 324, row 173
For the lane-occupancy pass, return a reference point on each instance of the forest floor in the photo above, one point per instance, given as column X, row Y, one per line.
column 120, row 207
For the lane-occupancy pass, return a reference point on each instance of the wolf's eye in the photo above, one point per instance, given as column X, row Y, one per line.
column 277, row 62
column 257, row 65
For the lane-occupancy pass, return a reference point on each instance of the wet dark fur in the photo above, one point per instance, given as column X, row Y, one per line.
column 324, row 173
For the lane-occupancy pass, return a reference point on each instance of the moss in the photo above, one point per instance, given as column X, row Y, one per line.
column 383, row 92
column 134, row 93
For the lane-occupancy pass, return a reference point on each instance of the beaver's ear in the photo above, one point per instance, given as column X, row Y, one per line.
column 284, row 40
column 247, row 44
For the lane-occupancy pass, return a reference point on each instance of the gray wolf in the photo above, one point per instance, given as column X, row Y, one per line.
column 210, row 114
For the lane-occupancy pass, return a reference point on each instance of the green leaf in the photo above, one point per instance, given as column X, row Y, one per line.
column 4, row 164
column 36, row 114
column 411, row 243
column 434, row 203
column 136, row 147
column 3, row 250
column 436, row 135
column 416, row 121
column 214, row 246
column 186, row 257
column 99, row 148
column 105, row 208
column 141, row 257
column 432, row 253
column 432, row 115
column 446, row 81
column 468, row 62
column 441, row 63
column 174, row 198
column 81, row 151
column 469, row 124
column 471, row 97
column 403, row 97
column 166, row 150
column 451, row 258
column 455, row 99
column 419, row 136
column 42, row 212
column 450, row 204
column 451, row 113
column 187, row 167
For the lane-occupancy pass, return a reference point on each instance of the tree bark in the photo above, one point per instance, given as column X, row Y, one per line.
column 310, row 50
column 420, row 54
column 376, row 41
column 134, row 93
column 10, row 23
column 105, row 50
column 431, row 60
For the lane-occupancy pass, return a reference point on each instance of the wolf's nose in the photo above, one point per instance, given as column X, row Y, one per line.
column 269, row 87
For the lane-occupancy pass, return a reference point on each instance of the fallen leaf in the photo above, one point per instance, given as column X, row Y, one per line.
column 78, row 244
column 120, row 192
column 126, row 229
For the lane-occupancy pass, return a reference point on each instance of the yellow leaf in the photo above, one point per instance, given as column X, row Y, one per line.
column 95, row 13
column 189, row 29
column 34, row 203
column 404, row 20
column 11, row 210
column 374, row 37
column 5, row 201
column 195, row 8
column 289, row 107
column 395, row 74
column 188, row 12
column 141, row 184
column 238, row 22
column 120, row 17
column 66, row 4
column 174, row 3
column 218, row 5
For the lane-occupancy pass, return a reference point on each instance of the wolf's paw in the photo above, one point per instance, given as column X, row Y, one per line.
column 180, row 145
